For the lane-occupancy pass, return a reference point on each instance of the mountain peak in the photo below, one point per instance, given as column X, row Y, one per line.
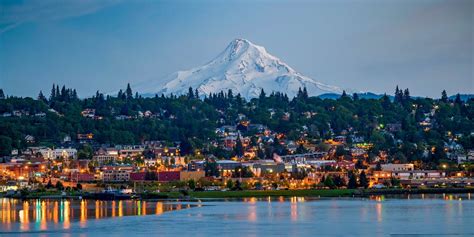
column 245, row 68
column 239, row 45
column 242, row 47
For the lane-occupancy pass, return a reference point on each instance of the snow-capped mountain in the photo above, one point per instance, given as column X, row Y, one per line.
column 245, row 68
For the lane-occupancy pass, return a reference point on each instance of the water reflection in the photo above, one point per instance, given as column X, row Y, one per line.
column 41, row 213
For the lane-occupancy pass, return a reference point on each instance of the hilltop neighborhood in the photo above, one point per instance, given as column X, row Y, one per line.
column 242, row 151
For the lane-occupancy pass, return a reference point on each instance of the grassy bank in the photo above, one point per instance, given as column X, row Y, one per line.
column 369, row 192
column 251, row 193
column 274, row 193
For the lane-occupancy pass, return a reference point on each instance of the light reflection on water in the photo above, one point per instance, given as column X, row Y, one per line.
column 42, row 213
column 428, row 214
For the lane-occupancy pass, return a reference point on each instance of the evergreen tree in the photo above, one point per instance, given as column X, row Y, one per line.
column 210, row 168
column 305, row 93
column 53, row 93
column 63, row 93
column 192, row 184
column 363, row 181
column 49, row 184
column 239, row 148
column 352, row 181
column 2, row 95
column 185, row 147
column 196, row 93
column 41, row 97
column 5, row 145
column 398, row 95
column 59, row 186
column 128, row 92
column 229, row 184
column 458, row 100
column 260, row 153
column 344, row 94
column 378, row 167
column 329, row 182
column 444, row 96
column 301, row 149
column 406, row 95
column 262, row 94
column 355, row 96
column 386, row 101
column 190, row 93
column 58, row 94
column 74, row 94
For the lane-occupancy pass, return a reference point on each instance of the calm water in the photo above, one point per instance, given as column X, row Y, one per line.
column 441, row 215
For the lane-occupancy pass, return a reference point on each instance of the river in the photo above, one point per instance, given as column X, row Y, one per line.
column 420, row 215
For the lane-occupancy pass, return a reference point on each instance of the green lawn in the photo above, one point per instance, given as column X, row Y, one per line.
column 273, row 193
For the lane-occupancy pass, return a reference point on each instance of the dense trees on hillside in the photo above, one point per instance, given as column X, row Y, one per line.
column 191, row 119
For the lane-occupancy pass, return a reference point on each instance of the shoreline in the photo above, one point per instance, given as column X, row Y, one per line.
column 187, row 196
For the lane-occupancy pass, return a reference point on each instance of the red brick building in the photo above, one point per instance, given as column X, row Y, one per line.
column 167, row 176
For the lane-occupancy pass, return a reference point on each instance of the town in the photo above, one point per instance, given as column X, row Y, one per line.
column 243, row 153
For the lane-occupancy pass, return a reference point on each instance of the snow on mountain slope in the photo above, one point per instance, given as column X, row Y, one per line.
column 245, row 68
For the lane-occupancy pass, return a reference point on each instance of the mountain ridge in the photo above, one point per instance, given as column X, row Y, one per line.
column 244, row 68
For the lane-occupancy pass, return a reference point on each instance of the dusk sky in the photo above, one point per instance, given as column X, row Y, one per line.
column 370, row 45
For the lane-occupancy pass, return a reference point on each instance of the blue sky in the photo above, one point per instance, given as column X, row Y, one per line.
column 370, row 45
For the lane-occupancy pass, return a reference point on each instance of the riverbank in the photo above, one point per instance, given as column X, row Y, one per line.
column 370, row 192
column 275, row 193
column 324, row 192
column 190, row 195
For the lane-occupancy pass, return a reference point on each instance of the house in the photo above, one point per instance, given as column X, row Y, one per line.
column 260, row 128
column 66, row 139
column 166, row 151
column 228, row 165
column 225, row 130
column 29, row 139
column 103, row 157
column 17, row 113
column 116, row 173
column 40, row 115
column 6, row 114
column 229, row 142
column 262, row 167
column 396, row 167
column 418, row 174
column 357, row 152
column 340, row 139
column 88, row 113
column 470, row 155
column 152, row 162
column 64, row 153
column 46, row 153
column 147, row 114
column 381, row 176
column 130, row 151
column 123, row 117
column 196, row 165
column 85, row 137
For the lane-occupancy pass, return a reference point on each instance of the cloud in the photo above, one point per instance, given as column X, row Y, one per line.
column 15, row 13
